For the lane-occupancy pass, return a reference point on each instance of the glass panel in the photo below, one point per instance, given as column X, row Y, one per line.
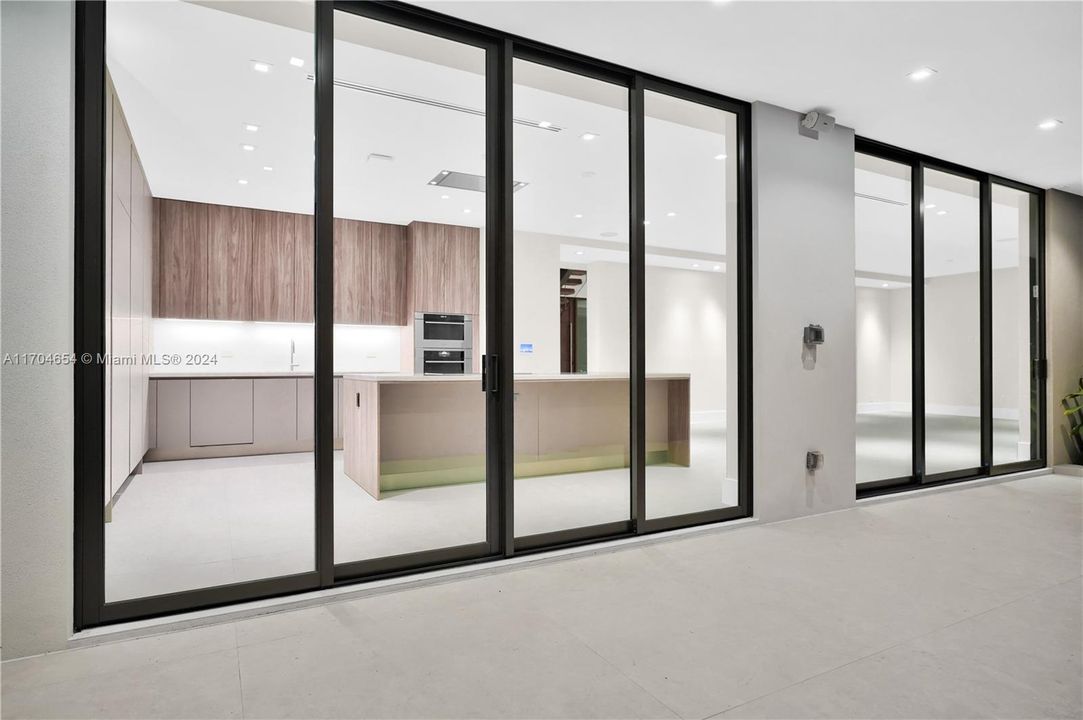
column 691, row 306
column 952, row 323
column 883, row 329
column 1015, row 427
column 409, row 209
column 570, row 265
column 209, row 242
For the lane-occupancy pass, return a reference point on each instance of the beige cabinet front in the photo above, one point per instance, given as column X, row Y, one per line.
column 221, row 412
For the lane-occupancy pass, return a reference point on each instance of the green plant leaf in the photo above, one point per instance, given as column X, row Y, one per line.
column 1073, row 411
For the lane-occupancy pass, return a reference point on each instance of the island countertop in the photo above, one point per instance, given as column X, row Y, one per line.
column 524, row 377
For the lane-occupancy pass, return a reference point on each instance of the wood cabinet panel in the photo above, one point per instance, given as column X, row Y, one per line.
column 443, row 268
column 349, row 291
column 383, row 277
column 183, row 229
column 221, row 412
column 273, row 279
column 230, row 238
column 304, row 259
column 273, row 282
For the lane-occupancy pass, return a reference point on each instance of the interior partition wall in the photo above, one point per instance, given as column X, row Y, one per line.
column 371, row 172
column 950, row 297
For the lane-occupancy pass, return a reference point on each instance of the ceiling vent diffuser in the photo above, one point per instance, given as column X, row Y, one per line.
column 466, row 181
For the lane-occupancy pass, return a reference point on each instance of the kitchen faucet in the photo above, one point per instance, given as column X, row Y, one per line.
column 293, row 355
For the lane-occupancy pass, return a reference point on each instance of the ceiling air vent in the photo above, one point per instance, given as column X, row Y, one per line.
column 466, row 181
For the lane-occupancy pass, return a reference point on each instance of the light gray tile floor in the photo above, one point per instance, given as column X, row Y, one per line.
column 960, row 604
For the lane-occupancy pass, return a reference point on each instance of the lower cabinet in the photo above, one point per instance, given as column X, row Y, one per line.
column 221, row 412
column 222, row 417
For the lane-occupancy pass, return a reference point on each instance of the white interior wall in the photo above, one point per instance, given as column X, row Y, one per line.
column 803, row 224
column 874, row 352
column 36, row 314
column 536, row 261
column 607, row 318
column 685, row 332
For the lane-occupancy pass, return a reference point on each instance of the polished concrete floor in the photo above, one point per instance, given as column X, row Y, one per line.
column 200, row 523
column 952, row 442
column 959, row 604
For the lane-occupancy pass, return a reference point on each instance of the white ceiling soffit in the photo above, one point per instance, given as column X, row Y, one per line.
column 1002, row 67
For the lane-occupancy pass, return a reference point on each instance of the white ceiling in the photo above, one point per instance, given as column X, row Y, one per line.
column 184, row 75
column 1002, row 66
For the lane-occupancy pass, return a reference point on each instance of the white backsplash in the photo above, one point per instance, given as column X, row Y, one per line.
column 265, row 347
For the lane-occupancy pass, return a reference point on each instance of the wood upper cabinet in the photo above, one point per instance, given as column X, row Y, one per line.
column 442, row 266
column 182, row 252
column 304, row 270
column 383, row 273
column 231, row 237
column 273, row 258
column 370, row 285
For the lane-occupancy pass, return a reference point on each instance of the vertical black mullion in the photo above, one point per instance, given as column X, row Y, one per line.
column 499, row 232
column 324, row 279
column 744, row 311
column 917, row 316
column 89, row 313
column 1037, row 332
column 985, row 285
column 636, row 281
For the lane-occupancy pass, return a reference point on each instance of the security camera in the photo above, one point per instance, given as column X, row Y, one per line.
column 817, row 121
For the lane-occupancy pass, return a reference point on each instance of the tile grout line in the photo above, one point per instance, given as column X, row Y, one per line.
column 895, row 645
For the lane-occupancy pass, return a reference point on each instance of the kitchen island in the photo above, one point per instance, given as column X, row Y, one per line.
column 413, row 431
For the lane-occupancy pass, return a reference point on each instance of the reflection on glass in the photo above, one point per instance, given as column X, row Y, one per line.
column 1014, row 386
column 209, row 155
column 952, row 324
column 691, row 302
column 409, row 206
column 571, row 316
column 883, row 331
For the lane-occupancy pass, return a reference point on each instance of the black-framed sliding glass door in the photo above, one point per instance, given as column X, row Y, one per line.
column 403, row 264
column 411, row 139
column 973, row 313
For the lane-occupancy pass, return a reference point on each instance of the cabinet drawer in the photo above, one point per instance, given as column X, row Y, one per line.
column 221, row 412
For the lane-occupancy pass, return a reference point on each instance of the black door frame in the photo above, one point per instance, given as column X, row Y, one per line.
column 918, row 164
column 501, row 49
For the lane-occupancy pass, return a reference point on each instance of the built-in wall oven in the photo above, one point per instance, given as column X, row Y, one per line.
column 443, row 344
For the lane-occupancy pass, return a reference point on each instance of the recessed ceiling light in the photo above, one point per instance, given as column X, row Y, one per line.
column 248, row 148
column 695, row 265
column 578, row 252
column 588, row 136
column 578, row 215
column 544, row 124
column 267, row 168
column 297, row 62
column 720, row 156
column 941, row 212
column 1050, row 124
column 445, row 197
column 930, row 206
column 261, row 67
column 883, row 285
column 922, row 73
column 717, row 267
column 466, row 210
column 432, row 182
column 443, row 172
column 242, row 181
column 251, row 127
column 646, row 222
column 671, row 214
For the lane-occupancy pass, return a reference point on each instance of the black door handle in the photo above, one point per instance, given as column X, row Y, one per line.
column 490, row 377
